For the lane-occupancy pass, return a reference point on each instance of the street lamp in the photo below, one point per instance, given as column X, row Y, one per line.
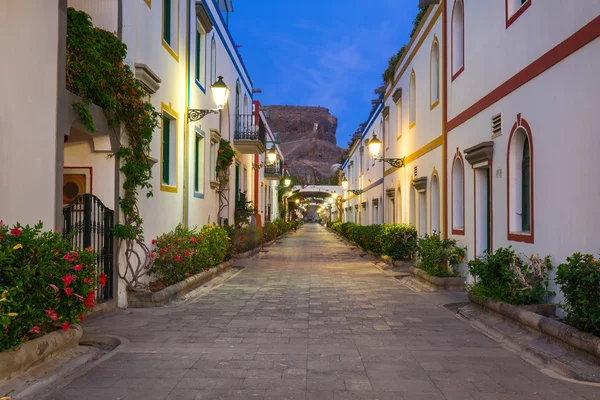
column 375, row 148
column 334, row 195
column 345, row 183
column 220, row 92
column 297, row 201
column 272, row 155
column 287, row 181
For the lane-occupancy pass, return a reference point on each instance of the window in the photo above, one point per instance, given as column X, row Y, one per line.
column 168, row 153
column 514, row 9
column 435, row 204
column 213, row 62
column 458, row 195
column 412, row 98
column 399, row 205
column 520, row 183
column 170, row 26
column 386, row 131
column 392, row 217
column 199, row 164
column 214, row 152
column 458, row 39
column 399, row 118
column 245, row 180
column 199, row 72
column 435, row 73
column 362, row 161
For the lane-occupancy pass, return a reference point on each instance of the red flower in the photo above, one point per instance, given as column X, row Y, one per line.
column 54, row 287
column 15, row 232
column 187, row 253
column 87, row 281
column 187, row 274
column 102, row 279
column 77, row 267
column 162, row 251
column 69, row 291
column 35, row 329
column 67, row 279
column 65, row 326
column 152, row 255
column 153, row 241
column 89, row 248
column 80, row 318
column 193, row 240
column 177, row 257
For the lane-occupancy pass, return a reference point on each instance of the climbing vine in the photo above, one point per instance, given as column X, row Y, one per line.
column 96, row 73
column 225, row 157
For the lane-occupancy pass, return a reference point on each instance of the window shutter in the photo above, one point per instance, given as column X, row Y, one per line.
column 166, row 137
column 167, row 21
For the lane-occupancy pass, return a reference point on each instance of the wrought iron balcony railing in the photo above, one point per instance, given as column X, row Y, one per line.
column 248, row 128
column 274, row 169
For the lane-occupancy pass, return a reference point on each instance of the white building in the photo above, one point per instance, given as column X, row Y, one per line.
column 492, row 110
column 177, row 49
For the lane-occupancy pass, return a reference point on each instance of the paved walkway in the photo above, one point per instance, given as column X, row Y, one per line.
column 309, row 320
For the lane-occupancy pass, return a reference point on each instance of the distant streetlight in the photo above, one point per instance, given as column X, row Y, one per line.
column 345, row 183
column 272, row 155
column 287, row 181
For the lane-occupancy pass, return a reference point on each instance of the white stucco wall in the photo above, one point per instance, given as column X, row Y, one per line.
column 28, row 106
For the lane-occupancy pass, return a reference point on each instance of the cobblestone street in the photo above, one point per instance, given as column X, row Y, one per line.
column 309, row 320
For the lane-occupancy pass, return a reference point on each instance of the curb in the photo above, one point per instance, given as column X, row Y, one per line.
column 563, row 333
column 147, row 299
column 449, row 284
column 38, row 349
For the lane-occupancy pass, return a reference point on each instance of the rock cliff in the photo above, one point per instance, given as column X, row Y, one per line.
column 307, row 136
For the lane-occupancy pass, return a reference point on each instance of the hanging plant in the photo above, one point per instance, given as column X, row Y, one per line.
column 225, row 157
column 96, row 73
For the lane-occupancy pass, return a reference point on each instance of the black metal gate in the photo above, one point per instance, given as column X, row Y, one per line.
column 92, row 223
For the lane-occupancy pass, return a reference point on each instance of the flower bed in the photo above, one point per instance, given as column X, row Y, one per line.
column 439, row 257
column 184, row 252
column 44, row 284
column 396, row 241
column 509, row 277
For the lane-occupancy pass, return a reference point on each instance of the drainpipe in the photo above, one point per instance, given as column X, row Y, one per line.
column 444, row 119
column 62, row 112
column 186, row 150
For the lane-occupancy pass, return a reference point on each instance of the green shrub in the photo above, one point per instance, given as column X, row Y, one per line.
column 579, row 280
column 184, row 252
column 506, row 276
column 434, row 253
column 44, row 283
column 246, row 238
column 398, row 241
column 270, row 231
column 367, row 236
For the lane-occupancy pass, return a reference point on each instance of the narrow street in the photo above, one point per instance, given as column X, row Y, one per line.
column 308, row 320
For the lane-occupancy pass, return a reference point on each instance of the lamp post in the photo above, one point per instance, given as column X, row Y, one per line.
column 375, row 148
column 220, row 92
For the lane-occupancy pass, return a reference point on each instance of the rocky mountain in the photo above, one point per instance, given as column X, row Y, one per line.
column 307, row 136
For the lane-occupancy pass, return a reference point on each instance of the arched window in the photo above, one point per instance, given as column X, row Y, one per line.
column 238, row 100
column 412, row 98
column 458, row 196
column 520, row 183
column 213, row 62
column 399, row 205
column 435, row 204
column 458, row 38
column 435, row 73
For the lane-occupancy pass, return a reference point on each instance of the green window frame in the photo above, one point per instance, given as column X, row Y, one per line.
column 526, row 189
column 166, row 149
column 199, row 163
column 198, row 55
column 167, row 21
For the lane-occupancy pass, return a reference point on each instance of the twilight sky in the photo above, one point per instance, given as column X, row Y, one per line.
column 328, row 53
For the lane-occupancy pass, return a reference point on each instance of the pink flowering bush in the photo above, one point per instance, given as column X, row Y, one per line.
column 44, row 284
column 185, row 252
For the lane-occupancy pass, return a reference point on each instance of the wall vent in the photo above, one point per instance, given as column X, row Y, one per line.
column 416, row 172
column 496, row 126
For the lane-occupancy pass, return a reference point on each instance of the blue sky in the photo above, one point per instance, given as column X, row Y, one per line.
column 328, row 53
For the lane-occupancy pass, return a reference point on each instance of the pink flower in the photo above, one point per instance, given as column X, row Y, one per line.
column 54, row 287
column 69, row 291
column 65, row 326
column 15, row 232
column 52, row 314
column 77, row 267
column 177, row 257
column 35, row 330
column 89, row 248
column 87, row 281
column 71, row 256
column 78, row 296
column 187, row 274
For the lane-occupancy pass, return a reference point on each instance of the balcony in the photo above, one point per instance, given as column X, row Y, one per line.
column 249, row 134
column 274, row 172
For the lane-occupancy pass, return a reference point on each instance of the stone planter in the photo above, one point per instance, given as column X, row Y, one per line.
column 550, row 328
column 454, row 284
column 33, row 351
column 147, row 299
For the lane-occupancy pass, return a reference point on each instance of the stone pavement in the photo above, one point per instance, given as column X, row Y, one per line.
column 309, row 320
